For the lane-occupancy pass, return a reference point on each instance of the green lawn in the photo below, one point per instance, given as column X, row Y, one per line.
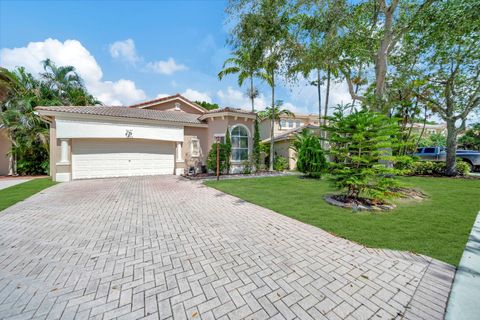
column 19, row 192
column 436, row 227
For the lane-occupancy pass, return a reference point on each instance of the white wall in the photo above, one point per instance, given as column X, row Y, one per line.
column 70, row 128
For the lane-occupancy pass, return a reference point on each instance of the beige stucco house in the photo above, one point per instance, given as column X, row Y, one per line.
column 171, row 135
column 284, row 132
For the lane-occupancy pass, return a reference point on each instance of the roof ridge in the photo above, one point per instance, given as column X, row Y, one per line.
column 177, row 95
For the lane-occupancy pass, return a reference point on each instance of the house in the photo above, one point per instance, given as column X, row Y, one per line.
column 5, row 158
column 284, row 132
column 430, row 129
column 170, row 135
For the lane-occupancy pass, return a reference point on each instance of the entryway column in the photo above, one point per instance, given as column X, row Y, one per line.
column 179, row 151
column 64, row 148
column 63, row 166
column 179, row 165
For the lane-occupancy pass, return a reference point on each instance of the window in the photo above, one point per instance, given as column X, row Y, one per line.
column 239, row 143
column 283, row 124
column 195, row 147
column 429, row 150
column 221, row 136
column 290, row 124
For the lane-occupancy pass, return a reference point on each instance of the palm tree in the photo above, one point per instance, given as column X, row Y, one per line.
column 244, row 63
column 277, row 112
column 67, row 84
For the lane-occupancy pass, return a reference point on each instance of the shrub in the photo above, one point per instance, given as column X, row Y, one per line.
column 405, row 164
column 463, row 168
column 280, row 163
column 310, row 156
column 247, row 167
column 431, row 168
column 361, row 146
column 228, row 149
column 224, row 158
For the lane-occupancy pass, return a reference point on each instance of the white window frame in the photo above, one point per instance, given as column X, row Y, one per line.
column 195, row 147
column 248, row 143
column 220, row 135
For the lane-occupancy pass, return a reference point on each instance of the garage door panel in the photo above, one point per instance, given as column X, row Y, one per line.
column 101, row 158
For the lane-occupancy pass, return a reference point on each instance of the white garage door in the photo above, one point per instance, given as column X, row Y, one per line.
column 101, row 158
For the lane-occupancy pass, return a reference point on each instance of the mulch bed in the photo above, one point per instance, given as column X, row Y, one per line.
column 365, row 204
column 239, row 175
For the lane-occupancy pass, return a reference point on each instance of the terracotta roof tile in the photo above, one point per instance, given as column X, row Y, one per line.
column 124, row 112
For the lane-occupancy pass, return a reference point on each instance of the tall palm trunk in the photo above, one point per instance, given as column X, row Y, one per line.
column 252, row 98
column 327, row 96
column 272, row 121
column 319, row 91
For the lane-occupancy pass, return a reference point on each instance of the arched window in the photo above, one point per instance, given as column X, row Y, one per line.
column 239, row 136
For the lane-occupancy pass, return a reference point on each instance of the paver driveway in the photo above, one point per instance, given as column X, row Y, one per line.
column 163, row 247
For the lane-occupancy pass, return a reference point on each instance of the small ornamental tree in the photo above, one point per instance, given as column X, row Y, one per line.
column 228, row 148
column 212, row 158
column 310, row 156
column 361, row 145
column 256, row 145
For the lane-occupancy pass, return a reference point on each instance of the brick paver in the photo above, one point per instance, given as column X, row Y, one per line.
column 165, row 248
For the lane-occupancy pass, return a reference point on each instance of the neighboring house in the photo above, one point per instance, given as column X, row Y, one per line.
column 284, row 133
column 430, row 129
column 5, row 158
column 170, row 135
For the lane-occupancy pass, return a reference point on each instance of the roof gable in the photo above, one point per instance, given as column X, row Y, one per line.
column 165, row 100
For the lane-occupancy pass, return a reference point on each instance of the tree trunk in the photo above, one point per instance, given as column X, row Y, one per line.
column 272, row 122
column 319, row 91
column 423, row 129
column 327, row 96
column 251, row 94
column 451, row 148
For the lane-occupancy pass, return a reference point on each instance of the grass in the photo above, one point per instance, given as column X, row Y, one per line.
column 437, row 227
column 11, row 195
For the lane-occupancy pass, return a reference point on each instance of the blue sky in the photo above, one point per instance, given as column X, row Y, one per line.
column 129, row 51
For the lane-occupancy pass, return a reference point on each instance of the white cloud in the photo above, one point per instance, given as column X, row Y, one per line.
column 162, row 95
column 195, row 95
column 166, row 67
column 237, row 99
column 73, row 53
column 124, row 50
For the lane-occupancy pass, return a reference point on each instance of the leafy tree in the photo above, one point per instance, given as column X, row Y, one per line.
column 245, row 62
column 471, row 138
column 449, row 61
column 256, row 145
column 370, row 36
column 20, row 93
column 433, row 140
column 316, row 25
column 275, row 112
column 360, row 144
column 263, row 26
column 310, row 156
column 207, row 105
